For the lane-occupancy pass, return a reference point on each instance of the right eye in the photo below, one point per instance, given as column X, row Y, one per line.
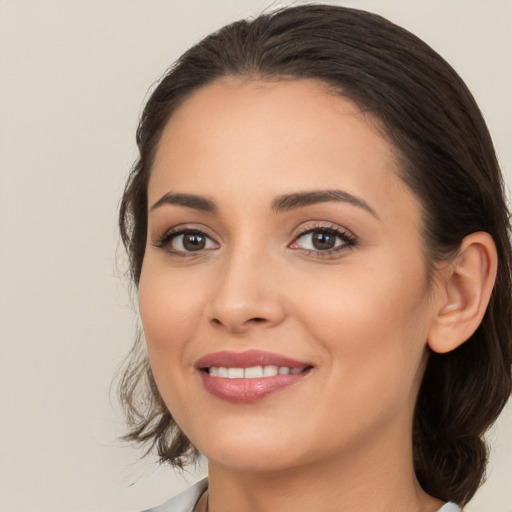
column 187, row 241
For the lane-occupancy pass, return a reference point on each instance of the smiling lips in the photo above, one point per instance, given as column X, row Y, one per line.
column 245, row 377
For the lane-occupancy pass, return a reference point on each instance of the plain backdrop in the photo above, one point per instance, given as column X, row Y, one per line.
column 74, row 75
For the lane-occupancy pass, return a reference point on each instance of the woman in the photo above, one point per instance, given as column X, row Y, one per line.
column 318, row 233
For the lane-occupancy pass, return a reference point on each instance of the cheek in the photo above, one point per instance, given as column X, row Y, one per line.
column 167, row 313
column 370, row 317
column 170, row 312
column 373, row 335
column 168, row 317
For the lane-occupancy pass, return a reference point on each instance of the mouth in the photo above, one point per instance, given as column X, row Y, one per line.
column 253, row 372
column 247, row 377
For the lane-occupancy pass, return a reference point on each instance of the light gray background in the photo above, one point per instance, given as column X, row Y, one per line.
column 73, row 78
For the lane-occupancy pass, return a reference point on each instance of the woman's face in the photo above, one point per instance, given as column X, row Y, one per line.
column 281, row 239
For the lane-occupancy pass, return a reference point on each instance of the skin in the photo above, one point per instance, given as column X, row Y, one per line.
column 339, row 440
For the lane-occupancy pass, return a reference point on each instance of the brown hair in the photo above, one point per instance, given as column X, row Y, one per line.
column 447, row 159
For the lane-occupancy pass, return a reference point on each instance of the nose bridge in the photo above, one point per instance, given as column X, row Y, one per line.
column 245, row 294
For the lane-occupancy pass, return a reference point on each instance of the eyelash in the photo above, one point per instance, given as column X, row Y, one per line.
column 348, row 240
column 166, row 239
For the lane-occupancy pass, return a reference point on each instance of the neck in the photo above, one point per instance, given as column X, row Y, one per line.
column 376, row 478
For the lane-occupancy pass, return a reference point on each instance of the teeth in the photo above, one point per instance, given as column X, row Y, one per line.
column 235, row 373
column 270, row 371
column 254, row 372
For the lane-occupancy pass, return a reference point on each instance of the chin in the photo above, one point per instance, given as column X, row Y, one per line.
column 251, row 461
column 250, row 451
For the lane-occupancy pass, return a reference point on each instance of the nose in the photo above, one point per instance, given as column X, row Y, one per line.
column 246, row 295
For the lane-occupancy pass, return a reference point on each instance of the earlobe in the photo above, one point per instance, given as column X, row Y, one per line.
column 465, row 289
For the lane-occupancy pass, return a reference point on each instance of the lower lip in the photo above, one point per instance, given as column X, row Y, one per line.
column 245, row 391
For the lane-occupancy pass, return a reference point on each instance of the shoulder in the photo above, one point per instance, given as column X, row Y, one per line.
column 450, row 507
column 185, row 501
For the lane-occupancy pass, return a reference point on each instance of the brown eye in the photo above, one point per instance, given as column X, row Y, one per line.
column 321, row 240
column 191, row 241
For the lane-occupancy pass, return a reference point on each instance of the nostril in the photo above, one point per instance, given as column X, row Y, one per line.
column 255, row 320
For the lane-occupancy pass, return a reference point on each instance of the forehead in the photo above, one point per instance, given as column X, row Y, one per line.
column 277, row 137
column 274, row 113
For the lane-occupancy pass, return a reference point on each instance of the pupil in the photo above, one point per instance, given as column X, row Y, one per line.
column 193, row 242
column 323, row 240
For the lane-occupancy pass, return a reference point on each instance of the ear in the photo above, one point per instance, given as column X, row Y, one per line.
column 465, row 287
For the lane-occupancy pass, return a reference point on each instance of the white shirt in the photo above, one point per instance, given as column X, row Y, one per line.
column 186, row 501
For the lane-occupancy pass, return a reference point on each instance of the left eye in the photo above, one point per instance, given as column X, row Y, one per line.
column 321, row 240
column 191, row 241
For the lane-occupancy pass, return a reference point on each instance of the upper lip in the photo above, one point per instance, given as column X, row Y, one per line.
column 247, row 359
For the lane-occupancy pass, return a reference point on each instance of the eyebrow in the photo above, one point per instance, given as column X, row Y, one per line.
column 301, row 199
column 280, row 204
column 188, row 200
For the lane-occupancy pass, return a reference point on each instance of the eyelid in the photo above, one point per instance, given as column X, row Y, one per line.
column 346, row 236
column 164, row 241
